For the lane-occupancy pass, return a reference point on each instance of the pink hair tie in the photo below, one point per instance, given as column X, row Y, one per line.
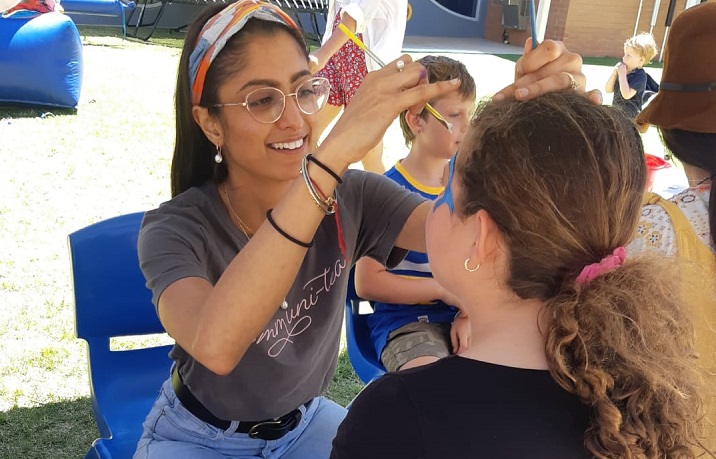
column 608, row 263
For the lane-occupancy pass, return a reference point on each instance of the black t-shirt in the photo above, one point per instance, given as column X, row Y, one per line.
column 463, row 408
column 637, row 81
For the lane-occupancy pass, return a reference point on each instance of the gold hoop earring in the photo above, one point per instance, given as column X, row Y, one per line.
column 468, row 269
column 218, row 158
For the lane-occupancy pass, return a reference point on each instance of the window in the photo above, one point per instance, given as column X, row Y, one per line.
column 463, row 7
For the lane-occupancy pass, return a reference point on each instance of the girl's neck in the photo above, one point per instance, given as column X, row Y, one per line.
column 423, row 167
column 507, row 332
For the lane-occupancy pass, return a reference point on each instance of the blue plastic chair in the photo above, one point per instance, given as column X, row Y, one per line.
column 361, row 350
column 111, row 300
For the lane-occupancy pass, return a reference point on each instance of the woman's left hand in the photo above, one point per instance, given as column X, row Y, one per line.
column 547, row 68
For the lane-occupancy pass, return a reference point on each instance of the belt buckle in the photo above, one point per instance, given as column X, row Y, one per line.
column 254, row 431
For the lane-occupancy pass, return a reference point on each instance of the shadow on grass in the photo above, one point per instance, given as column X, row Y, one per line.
column 12, row 111
column 169, row 38
column 63, row 430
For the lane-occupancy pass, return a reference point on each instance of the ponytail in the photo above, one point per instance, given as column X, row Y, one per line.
column 624, row 344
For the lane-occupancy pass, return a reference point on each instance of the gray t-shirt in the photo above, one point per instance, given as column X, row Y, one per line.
column 292, row 360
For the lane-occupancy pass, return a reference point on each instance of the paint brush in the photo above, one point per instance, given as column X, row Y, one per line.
column 378, row 61
column 532, row 24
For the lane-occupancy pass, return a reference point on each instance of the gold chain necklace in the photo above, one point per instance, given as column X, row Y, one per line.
column 244, row 228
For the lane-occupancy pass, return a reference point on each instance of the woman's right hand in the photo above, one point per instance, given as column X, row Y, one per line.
column 382, row 96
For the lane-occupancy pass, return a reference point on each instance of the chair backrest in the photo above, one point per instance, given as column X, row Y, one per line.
column 111, row 300
column 361, row 350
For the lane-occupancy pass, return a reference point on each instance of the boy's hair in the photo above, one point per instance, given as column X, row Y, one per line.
column 644, row 44
column 441, row 68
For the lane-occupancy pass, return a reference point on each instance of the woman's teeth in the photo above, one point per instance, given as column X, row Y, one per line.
column 288, row 145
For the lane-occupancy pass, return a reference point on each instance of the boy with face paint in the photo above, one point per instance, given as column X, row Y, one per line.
column 411, row 323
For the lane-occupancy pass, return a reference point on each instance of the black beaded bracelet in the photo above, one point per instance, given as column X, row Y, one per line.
column 338, row 178
column 285, row 234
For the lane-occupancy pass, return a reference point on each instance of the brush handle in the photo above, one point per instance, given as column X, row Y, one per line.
column 438, row 116
column 378, row 61
column 532, row 23
column 360, row 44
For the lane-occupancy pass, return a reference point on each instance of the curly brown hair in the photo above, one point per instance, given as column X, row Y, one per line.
column 563, row 179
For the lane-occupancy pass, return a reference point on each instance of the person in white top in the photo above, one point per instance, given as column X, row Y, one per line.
column 381, row 26
column 382, row 23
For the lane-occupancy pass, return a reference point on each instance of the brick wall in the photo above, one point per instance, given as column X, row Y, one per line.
column 493, row 22
column 589, row 27
column 600, row 27
column 557, row 23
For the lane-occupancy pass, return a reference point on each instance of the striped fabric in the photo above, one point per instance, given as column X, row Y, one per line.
column 388, row 317
column 219, row 29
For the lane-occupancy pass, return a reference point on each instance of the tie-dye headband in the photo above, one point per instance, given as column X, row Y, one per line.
column 219, row 29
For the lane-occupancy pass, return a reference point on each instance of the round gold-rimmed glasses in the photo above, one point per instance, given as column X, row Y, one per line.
column 266, row 105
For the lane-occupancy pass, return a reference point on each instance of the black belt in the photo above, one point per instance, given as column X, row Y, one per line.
column 269, row 429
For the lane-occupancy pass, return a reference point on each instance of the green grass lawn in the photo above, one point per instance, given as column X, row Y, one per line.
column 65, row 169
column 62, row 170
column 606, row 61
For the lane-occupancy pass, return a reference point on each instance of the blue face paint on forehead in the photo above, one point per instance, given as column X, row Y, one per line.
column 446, row 197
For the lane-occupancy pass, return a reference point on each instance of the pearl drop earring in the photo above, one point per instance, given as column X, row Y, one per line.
column 218, row 158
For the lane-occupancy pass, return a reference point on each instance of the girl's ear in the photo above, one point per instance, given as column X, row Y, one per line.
column 488, row 237
column 209, row 124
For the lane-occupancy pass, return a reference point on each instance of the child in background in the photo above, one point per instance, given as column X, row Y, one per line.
column 628, row 81
column 410, row 325
column 381, row 26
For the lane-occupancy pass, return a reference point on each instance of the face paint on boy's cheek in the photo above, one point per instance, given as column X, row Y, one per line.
column 446, row 197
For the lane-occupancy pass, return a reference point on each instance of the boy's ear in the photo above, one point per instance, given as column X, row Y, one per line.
column 415, row 122
column 209, row 124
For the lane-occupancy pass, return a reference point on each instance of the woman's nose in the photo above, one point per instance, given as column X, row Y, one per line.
column 292, row 116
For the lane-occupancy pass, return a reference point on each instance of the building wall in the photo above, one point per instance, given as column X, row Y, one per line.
column 589, row 27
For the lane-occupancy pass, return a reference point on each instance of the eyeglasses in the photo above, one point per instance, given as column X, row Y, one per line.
column 266, row 105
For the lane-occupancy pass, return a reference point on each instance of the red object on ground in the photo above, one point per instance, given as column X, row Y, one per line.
column 653, row 164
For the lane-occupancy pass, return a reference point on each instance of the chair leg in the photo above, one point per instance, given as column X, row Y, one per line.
column 124, row 24
column 156, row 21
column 141, row 17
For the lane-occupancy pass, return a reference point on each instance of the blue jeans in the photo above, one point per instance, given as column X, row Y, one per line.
column 170, row 431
